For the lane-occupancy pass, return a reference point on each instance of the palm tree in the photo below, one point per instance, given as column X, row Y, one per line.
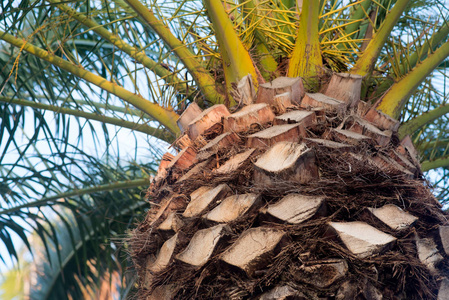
column 138, row 66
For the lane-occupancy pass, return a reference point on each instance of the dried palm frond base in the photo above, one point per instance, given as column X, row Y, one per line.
column 321, row 202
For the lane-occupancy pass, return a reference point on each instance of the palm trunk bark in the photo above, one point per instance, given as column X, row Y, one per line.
column 320, row 202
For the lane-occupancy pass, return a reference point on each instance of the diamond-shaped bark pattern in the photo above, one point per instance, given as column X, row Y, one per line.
column 250, row 251
column 349, row 137
column 162, row 260
column 364, row 127
column 162, row 292
column 304, row 117
column 191, row 113
column 184, row 159
column 232, row 207
column 202, row 245
column 381, row 120
column 295, row 208
column 407, row 149
column 393, row 216
column 322, row 101
column 386, row 163
column 428, row 253
column 362, row 239
column 234, row 163
column 444, row 237
column 206, row 120
column 164, row 256
column 222, row 141
column 443, row 291
column 292, row 183
column 198, row 168
column 282, row 102
column 251, row 114
column 345, row 87
column 245, row 90
column 403, row 161
column 203, row 197
column 282, row 293
column 268, row 91
column 286, row 160
column 277, row 133
column 183, row 141
column 327, row 143
column 171, row 223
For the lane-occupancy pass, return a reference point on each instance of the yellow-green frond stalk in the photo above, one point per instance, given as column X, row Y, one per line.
column 199, row 73
column 306, row 58
column 237, row 62
column 365, row 63
column 135, row 53
column 166, row 116
column 396, row 98
column 160, row 133
column 267, row 63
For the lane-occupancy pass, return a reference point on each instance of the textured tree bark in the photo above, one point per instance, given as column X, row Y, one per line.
column 206, row 120
column 306, row 118
column 275, row 134
column 251, row 114
column 321, row 201
column 190, row 113
column 322, row 101
column 281, row 85
column 345, row 87
column 220, row 142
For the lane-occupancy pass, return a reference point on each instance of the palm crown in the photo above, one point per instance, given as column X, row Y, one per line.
column 69, row 66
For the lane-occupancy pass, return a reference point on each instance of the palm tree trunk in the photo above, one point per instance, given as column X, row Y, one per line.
column 320, row 202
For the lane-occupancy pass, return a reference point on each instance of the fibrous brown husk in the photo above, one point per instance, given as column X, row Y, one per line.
column 350, row 183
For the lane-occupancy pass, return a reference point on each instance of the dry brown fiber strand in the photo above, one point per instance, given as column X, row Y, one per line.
column 350, row 180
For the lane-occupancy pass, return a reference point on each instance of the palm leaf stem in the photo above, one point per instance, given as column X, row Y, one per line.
column 237, row 62
column 416, row 56
column 434, row 164
column 156, row 132
column 414, row 124
column 365, row 63
column 396, row 97
column 189, row 59
column 104, row 45
column 144, row 128
column 107, row 107
column 433, row 144
column 127, row 184
column 96, row 105
column 267, row 61
column 422, row 51
column 166, row 116
column 133, row 52
column 306, row 58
